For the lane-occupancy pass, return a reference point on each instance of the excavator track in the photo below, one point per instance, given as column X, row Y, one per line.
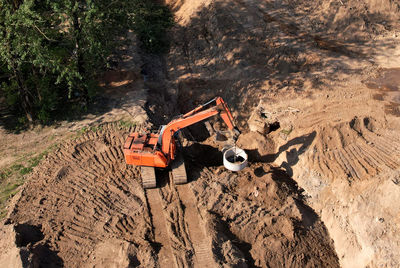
column 148, row 177
column 179, row 175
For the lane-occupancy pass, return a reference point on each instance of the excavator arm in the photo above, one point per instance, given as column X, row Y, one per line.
column 198, row 114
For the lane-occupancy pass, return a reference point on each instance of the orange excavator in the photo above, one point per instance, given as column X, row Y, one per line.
column 151, row 150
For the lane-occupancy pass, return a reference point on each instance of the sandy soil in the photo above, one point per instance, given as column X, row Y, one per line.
column 83, row 206
column 314, row 86
column 327, row 71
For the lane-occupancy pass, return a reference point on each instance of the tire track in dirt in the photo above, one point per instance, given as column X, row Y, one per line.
column 200, row 240
column 83, row 195
column 161, row 236
column 355, row 151
column 85, row 198
column 177, row 228
column 291, row 28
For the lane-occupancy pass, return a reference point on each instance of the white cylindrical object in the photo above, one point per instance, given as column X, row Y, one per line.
column 235, row 152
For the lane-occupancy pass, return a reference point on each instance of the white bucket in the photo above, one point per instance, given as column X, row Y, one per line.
column 235, row 152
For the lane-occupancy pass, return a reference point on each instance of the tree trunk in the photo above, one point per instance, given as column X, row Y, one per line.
column 80, row 61
column 24, row 95
column 25, row 101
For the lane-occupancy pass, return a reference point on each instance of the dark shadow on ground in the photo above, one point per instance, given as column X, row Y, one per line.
column 284, row 180
column 247, row 52
column 203, row 155
column 292, row 155
column 224, row 232
column 34, row 251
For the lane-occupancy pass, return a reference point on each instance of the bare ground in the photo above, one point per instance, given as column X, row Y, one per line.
column 83, row 201
column 314, row 86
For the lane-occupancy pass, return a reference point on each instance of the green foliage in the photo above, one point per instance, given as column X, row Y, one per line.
column 83, row 130
column 13, row 177
column 28, row 56
column 10, row 91
column 151, row 22
column 126, row 124
column 287, row 131
column 4, row 174
column 7, row 191
column 52, row 51
column 96, row 128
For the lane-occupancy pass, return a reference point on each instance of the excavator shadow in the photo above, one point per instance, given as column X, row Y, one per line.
column 162, row 176
column 291, row 150
column 203, row 155
column 198, row 156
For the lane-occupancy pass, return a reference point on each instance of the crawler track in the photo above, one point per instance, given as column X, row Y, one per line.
column 85, row 202
column 178, row 228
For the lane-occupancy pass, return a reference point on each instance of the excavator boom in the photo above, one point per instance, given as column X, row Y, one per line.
column 197, row 115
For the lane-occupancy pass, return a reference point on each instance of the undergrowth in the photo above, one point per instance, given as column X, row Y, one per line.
column 14, row 176
column 126, row 124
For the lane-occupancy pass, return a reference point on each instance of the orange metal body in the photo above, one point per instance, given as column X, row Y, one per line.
column 158, row 149
column 141, row 150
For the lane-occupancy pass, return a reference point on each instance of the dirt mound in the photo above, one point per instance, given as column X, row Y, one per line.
column 316, row 68
column 344, row 151
column 259, row 217
column 351, row 20
column 357, row 150
column 331, row 124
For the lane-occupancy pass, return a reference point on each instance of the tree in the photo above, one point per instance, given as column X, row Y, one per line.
column 93, row 28
column 151, row 22
column 52, row 51
column 22, row 53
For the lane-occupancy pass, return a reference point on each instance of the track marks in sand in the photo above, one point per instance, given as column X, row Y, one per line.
column 178, row 227
column 84, row 194
column 161, row 236
column 357, row 151
column 200, row 240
